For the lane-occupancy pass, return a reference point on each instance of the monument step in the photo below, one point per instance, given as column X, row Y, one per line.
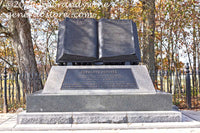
column 40, row 102
column 98, row 117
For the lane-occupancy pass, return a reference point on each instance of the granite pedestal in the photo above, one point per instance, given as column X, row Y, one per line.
column 116, row 98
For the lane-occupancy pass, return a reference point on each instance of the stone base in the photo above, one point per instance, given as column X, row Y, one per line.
column 99, row 117
column 39, row 102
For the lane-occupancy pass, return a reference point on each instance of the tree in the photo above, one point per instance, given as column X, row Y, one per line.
column 149, row 8
column 20, row 32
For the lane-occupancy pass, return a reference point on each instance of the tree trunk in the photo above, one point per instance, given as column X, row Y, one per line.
column 151, row 36
column 198, row 50
column 17, row 88
column 149, row 8
column 194, row 60
column 169, row 63
column 24, row 47
column 144, row 37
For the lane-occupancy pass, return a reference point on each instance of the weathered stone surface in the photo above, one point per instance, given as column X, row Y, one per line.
column 99, row 117
column 144, row 98
column 77, row 40
column 118, row 41
column 151, row 117
column 88, row 103
column 58, row 74
column 44, row 118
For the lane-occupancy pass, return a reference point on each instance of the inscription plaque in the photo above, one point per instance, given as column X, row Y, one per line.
column 99, row 79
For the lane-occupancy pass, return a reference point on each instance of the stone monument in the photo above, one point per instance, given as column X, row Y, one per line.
column 98, row 79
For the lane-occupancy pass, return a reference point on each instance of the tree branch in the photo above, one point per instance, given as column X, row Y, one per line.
column 1, row 4
column 4, row 31
column 6, row 61
column 5, row 34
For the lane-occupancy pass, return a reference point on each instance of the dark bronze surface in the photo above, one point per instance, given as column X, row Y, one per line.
column 77, row 40
column 118, row 41
column 88, row 42
column 81, row 79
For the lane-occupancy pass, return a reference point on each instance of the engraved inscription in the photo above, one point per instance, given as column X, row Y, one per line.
column 99, row 79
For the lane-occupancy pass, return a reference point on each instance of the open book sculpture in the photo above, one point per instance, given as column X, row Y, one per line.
column 90, row 41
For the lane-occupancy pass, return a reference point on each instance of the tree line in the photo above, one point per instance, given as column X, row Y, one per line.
column 168, row 31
